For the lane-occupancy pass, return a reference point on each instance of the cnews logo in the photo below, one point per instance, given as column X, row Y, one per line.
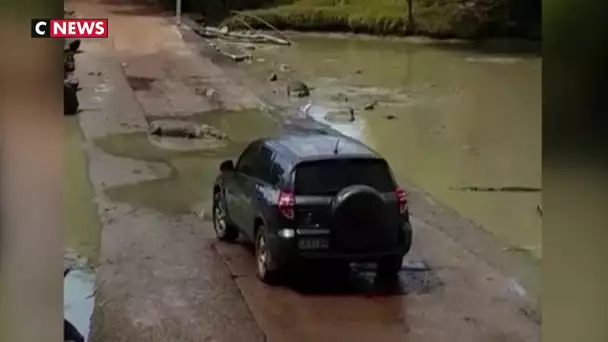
column 70, row 28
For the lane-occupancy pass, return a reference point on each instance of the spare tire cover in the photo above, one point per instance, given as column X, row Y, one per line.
column 359, row 222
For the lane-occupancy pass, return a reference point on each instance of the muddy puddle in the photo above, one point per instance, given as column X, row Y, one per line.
column 445, row 117
column 82, row 222
column 194, row 164
column 362, row 280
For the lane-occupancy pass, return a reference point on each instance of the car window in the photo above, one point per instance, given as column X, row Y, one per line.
column 280, row 165
column 263, row 163
column 247, row 159
column 328, row 177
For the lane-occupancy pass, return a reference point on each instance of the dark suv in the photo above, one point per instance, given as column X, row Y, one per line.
column 304, row 197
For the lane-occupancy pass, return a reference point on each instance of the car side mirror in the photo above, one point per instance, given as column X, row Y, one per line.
column 227, row 166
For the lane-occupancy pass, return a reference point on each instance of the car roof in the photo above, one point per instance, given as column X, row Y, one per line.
column 309, row 146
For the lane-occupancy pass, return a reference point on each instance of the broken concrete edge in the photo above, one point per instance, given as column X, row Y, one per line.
column 185, row 129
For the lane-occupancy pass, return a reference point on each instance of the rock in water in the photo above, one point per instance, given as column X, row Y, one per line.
column 273, row 77
column 340, row 97
column 70, row 100
column 370, row 106
column 206, row 131
column 298, row 89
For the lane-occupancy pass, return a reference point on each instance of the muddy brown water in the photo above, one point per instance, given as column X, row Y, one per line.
column 447, row 117
column 194, row 165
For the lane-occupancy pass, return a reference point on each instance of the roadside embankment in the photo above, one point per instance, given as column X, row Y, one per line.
column 472, row 19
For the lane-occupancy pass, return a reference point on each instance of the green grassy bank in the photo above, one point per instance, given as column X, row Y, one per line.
column 471, row 19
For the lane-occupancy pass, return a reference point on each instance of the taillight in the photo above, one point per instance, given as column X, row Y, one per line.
column 401, row 199
column 286, row 204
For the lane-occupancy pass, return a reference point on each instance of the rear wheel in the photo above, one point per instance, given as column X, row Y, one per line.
column 266, row 267
column 224, row 230
column 389, row 267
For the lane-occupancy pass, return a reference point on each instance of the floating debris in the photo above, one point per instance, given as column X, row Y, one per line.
column 225, row 33
column 371, row 105
column 185, row 129
column 298, row 89
column 340, row 97
column 497, row 189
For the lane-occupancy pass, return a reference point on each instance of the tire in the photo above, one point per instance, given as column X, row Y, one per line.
column 389, row 267
column 359, row 223
column 267, row 269
column 224, row 229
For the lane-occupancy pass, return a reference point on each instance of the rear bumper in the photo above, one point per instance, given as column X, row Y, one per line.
column 285, row 250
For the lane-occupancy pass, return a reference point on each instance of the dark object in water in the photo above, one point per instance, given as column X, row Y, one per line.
column 352, row 114
column 74, row 45
column 70, row 100
column 298, row 88
column 390, row 117
column 340, row 97
column 69, row 64
column 539, row 210
column 273, row 77
column 497, row 189
column 370, row 106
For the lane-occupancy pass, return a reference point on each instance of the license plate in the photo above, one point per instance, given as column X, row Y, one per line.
column 313, row 243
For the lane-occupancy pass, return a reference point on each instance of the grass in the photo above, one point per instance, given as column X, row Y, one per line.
column 83, row 228
column 439, row 19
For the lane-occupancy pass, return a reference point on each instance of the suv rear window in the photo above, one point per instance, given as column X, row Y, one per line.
column 328, row 177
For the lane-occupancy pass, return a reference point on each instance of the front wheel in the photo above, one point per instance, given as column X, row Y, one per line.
column 224, row 230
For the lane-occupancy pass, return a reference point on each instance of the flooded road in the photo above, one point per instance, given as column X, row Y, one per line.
column 163, row 276
column 445, row 116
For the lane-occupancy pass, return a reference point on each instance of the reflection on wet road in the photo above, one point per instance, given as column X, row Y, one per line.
column 434, row 299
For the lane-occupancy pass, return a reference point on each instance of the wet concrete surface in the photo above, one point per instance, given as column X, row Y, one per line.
column 442, row 294
column 164, row 277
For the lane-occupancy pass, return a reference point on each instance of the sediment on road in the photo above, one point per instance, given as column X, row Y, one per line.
column 473, row 19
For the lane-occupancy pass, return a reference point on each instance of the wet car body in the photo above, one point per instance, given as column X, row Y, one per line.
column 310, row 197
